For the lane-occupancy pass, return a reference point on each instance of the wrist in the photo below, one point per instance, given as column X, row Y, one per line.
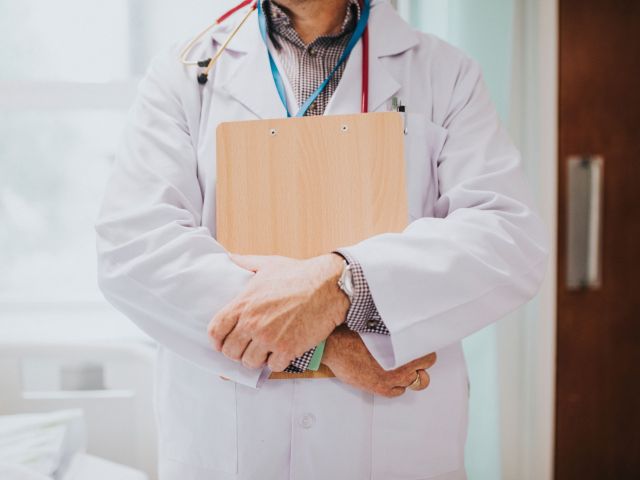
column 340, row 341
column 334, row 267
column 329, row 353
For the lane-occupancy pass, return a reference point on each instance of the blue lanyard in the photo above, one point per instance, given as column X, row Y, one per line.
column 277, row 78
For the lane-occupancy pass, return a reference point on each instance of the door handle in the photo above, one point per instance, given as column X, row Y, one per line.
column 584, row 222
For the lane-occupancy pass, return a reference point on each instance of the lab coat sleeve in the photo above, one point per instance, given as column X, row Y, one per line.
column 481, row 256
column 156, row 263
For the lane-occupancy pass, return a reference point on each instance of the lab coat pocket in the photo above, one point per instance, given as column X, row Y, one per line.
column 424, row 141
column 422, row 434
column 196, row 413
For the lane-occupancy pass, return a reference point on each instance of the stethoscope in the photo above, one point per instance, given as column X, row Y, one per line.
column 361, row 31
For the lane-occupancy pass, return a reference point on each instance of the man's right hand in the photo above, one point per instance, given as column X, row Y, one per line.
column 347, row 356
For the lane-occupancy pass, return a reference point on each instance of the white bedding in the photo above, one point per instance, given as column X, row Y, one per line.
column 88, row 467
column 42, row 443
column 50, row 446
column 18, row 472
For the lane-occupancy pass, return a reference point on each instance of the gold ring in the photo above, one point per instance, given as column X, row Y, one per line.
column 416, row 383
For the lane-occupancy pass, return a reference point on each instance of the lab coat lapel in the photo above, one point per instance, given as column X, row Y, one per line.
column 388, row 35
column 382, row 85
column 251, row 83
column 346, row 98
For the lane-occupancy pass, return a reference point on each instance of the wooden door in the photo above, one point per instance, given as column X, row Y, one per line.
column 598, row 350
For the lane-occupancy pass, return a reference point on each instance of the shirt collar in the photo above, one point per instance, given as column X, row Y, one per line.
column 279, row 22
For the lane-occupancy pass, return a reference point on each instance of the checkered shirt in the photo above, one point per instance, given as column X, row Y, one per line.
column 306, row 67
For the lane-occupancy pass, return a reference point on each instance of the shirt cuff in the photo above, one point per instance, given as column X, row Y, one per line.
column 362, row 316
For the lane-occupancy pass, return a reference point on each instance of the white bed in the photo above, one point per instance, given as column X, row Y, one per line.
column 77, row 411
column 52, row 446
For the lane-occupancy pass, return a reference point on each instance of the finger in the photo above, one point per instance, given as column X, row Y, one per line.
column 424, row 363
column 254, row 356
column 424, row 380
column 406, row 374
column 221, row 325
column 235, row 344
column 253, row 263
column 278, row 362
column 396, row 392
column 411, row 379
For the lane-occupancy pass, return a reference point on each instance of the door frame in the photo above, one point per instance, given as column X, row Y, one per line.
column 527, row 343
column 540, row 331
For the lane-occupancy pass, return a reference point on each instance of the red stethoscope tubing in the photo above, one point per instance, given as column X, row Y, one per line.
column 364, row 108
column 240, row 6
column 364, row 105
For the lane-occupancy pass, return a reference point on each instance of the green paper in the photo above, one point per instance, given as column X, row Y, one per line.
column 314, row 364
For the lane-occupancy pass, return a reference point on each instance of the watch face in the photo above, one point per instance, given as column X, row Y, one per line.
column 346, row 282
column 349, row 281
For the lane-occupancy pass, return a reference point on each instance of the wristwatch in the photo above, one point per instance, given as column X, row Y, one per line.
column 346, row 281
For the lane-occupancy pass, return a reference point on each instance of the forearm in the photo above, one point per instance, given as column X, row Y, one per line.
column 157, row 262
column 175, row 310
column 457, row 287
column 360, row 314
column 331, row 348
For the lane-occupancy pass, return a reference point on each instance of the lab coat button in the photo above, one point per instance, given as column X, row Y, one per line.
column 308, row 420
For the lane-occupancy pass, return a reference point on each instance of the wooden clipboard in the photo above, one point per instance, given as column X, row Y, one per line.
column 302, row 187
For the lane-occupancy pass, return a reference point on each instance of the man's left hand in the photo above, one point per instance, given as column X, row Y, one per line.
column 288, row 307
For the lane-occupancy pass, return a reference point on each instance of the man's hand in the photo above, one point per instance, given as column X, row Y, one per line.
column 347, row 356
column 288, row 307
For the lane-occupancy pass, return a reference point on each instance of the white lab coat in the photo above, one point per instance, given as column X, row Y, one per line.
column 474, row 251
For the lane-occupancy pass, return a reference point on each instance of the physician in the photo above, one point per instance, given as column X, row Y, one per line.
column 393, row 308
